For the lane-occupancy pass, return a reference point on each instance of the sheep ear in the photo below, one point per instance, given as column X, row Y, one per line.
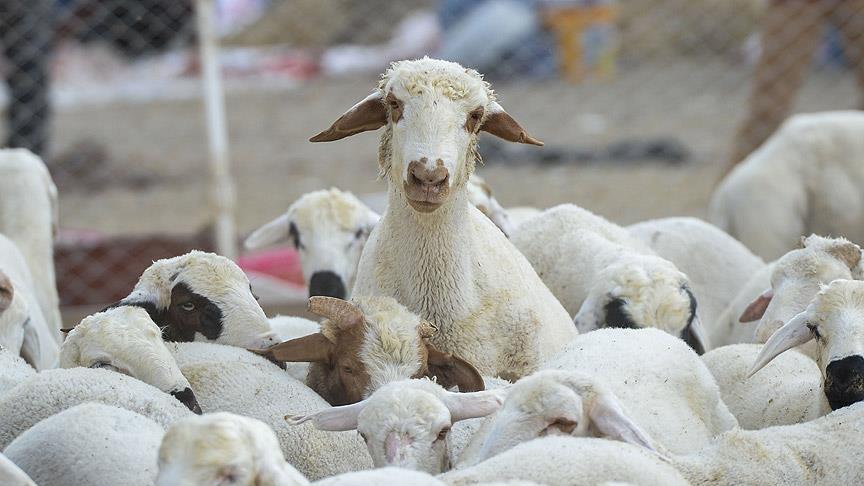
column 586, row 319
column 499, row 123
column 694, row 336
column 269, row 234
column 608, row 418
column 756, row 309
column 450, row 371
column 368, row 114
column 793, row 333
column 7, row 292
column 464, row 406
column 336, row 419
column 314, row 348
column 846, row 252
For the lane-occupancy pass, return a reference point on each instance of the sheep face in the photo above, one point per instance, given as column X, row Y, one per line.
column 328, row 229
column 797, row 277
column 14, row 315
column 202, row 297
column 835, row 320
column 125, row 339
column 432, row 111
column 554, row 402
column 223, row 448
column 406, row 423
column 366, row 344
column 647, row 292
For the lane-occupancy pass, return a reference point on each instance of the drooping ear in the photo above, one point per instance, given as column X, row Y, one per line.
column 7, row 292
column 464, row 406
column 335, row 419
column 499, row 123
column 608, row 418
column 314, row 348
column 847, row 252
column 756, row 309
column 368, row 114
column 451, row 371
column 587, row 318
column 695, row 337
column 269, row 234
column 793, row 333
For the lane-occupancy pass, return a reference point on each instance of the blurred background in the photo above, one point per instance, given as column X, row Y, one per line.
column 643, row 105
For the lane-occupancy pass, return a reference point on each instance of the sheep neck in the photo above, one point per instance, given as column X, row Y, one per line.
column 434, row 251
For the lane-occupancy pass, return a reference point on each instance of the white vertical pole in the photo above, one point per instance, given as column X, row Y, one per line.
column 221, row 186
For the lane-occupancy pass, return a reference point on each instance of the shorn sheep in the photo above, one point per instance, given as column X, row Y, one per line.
column 716, row 265
column 606, row 277
column 367, row 343
column 23, row 327
column 806, row 178
column 328, row 229
column 434, row 252
column 834, row 321
column 797, row 277
column 202, row 297
column 89, row 444
column 29, row 217
column 125, row 340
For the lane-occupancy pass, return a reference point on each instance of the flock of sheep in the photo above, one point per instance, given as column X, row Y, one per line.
column 461, row 342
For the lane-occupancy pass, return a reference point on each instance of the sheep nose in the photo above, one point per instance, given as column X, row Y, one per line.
column 420, row 175
column 328, row 284
column 844, row 381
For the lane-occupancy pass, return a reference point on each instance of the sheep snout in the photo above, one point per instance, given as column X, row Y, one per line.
column 426, row 188
column 844, row 381
column 328, row 284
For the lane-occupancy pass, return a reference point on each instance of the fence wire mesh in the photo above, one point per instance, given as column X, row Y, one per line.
column 643, row 104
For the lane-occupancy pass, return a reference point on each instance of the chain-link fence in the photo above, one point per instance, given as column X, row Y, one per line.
column 642, row 103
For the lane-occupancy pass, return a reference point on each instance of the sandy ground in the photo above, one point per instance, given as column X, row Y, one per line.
column 696, row 103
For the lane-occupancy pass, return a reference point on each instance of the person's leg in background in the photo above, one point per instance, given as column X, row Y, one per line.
column 26, row 37
column 790, row 33
column 848, row 17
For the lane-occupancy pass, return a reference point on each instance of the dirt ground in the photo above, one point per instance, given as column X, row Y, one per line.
column 694, row 103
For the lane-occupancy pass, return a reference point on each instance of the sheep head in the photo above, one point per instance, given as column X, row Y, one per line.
column 223, row 448
column 433, row 111
column 554, row 402
column 644, row 291
column 124, row 339
column 835, row 320
column 202, row 297
column 405, row 423
column 367, row 343
column 329, row 230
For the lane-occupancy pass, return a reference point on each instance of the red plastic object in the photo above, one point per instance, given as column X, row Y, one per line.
column 281, row 263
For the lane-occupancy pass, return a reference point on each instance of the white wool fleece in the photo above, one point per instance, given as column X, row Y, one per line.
column 328, row 228
column 452, row 266
column 124, row 339
column 13, row 370
column 217, row 279
column 223, row 447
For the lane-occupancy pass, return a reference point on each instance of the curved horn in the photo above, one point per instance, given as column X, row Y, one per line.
column 341, row 312
column 335, row 419
column 793, row 333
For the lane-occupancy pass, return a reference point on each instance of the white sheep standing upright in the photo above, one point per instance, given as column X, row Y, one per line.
column 92, row 444
column 29, row 217
column 23, row 327
column 716, row 265
column 835, row 321
column 434, row 252
column 606, row 277
column 806, row 178
column 788, row 391
column 328, row 228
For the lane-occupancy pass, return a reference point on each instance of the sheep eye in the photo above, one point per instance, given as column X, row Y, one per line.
column 359, row 234
column 363, row 436
column 443, row 434
column 347, row 369
column 394, row 105
column 188, row 306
